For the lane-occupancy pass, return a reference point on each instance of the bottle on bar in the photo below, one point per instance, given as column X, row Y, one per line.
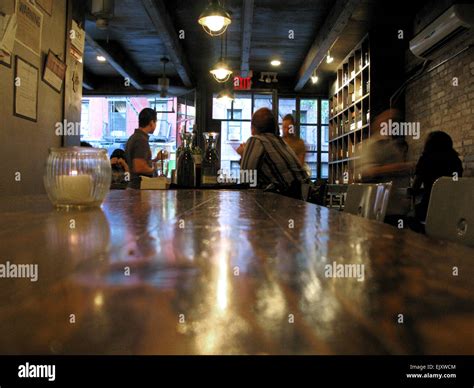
column 197, row 156
column 186, row 166
column 210, row 161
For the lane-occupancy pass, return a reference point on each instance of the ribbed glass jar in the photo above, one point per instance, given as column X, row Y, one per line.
column 77, row 177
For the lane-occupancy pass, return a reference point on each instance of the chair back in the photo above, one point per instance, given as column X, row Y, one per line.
column 451, row 210
column 336, row 196
column 368, row 200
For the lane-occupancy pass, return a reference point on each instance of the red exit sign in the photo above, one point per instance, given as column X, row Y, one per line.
column 242, row 83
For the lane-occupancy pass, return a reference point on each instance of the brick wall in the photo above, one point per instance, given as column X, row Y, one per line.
column 435, row 102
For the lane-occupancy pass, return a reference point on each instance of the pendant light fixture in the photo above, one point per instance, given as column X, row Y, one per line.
column 215, row 19
column 221, row 70
column 314, row 78
column 226, row 94
column 164, row 82
column 103, row 10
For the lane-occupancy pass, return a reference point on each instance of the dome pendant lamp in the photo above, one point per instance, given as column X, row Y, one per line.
column 215, row 19
column 221, row 70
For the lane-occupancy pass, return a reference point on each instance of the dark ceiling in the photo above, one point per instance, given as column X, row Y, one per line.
column 272, row 21
column 132, row 29
column 135, row 39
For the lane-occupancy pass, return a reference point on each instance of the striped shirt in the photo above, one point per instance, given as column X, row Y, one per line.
column 275, row 162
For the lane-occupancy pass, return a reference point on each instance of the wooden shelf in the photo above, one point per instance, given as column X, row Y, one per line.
column 344, row 160
column 366, row 79
column 349, row 133
column 344, row 147
column 350, row 106
column 353, row 78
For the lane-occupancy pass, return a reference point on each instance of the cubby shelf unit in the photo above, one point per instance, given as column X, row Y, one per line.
column 349, row 122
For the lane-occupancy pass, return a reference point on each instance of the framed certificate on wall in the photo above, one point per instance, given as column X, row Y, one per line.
column 25, row 90
column 54, row 72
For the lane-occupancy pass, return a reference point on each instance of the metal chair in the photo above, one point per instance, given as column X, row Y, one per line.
column 451, row 211
column 368, row 200
column 336, row 195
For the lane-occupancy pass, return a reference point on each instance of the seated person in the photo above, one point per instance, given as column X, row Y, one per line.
column 290, row 138
column 437, row 160
column 277, row 166
column 119, row 166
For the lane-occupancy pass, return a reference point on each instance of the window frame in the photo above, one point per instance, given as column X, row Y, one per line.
column 319, row 126
column 111, row 119
column 85, row 102
column 275, row 108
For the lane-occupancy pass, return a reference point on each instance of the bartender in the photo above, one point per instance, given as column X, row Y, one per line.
column 137, row 150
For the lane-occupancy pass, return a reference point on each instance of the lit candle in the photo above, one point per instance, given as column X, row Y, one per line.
column 76, row 189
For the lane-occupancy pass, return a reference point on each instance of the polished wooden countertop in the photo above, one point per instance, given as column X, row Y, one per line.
column 226, row 272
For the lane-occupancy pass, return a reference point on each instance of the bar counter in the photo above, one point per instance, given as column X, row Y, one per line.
column 226, row 272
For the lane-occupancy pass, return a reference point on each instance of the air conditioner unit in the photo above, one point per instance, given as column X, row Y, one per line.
column 453, row 21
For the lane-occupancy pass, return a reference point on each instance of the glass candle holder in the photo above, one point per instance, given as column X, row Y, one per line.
column 77, row 177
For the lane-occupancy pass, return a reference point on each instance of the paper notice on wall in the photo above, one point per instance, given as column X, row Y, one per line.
column 29, row 26
column 78, row 41
column 54, row 72
column 8, row 27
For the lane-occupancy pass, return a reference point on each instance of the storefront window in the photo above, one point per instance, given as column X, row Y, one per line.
column 324, row 112
column 286, row 106
column 85, row 118
column 243, row 105
column 309, row 112
column 117, row 119
column 235, row 127
column 108, row 122
column 262, row 101
column 220, row 108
